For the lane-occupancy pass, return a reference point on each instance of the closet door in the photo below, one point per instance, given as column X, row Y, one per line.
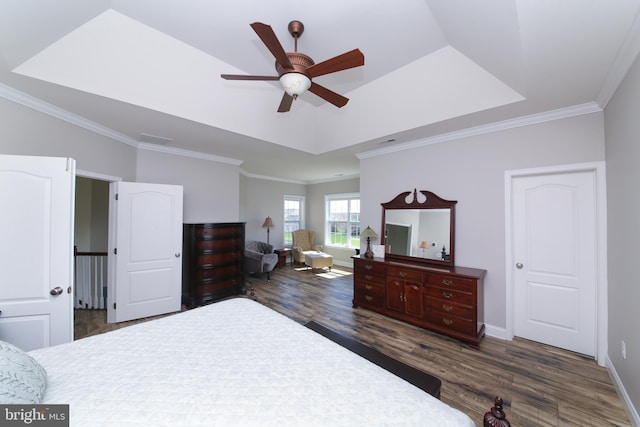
column 554, row 271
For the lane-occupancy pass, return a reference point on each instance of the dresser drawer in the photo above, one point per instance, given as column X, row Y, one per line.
column 217, row 244
column 446, row 295
column 404, row 273
column 370, row 268
column 367, row 293
column 371, row 277
column 447, row 307
column 454, row 323
column 456, row 283
column 217, row 272
column 217, row 232
column 217, row 259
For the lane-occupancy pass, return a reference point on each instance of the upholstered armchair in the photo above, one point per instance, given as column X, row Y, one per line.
column 259, row 258
column 303, row 243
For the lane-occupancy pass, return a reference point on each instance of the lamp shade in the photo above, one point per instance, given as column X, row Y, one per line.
column 424, row 245
column 368, row 232
column 295, row 83
column 267, row 222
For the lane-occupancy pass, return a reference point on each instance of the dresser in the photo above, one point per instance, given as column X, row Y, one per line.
column 445, row 300
column 212, row 263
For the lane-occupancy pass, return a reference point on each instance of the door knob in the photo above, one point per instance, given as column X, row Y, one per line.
column 177, row 254
column 519, row 265
column 56, row 291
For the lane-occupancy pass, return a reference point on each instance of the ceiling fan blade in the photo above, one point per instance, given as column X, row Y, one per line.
column 328, row 95
column 244, row 77
column 268, row 37
column 285, row 104
column 351, row 59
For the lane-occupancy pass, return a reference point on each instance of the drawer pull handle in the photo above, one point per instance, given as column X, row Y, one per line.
column 368, row 298
column 447, row 322
column 368, row 276
column 447, row 295
column 447, row 282
column 403, row 274
column 369, row 267
column 368, row 287
column 447, row 308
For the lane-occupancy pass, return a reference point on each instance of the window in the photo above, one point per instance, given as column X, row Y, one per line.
column 293, row 217
column 343, row 220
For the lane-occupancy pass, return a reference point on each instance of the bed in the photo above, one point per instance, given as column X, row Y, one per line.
column 232, row 363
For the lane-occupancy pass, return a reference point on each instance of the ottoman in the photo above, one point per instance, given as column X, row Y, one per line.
column 318, row 260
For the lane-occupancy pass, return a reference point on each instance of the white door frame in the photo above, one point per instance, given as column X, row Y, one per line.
column 598, row 170
column 97, row 176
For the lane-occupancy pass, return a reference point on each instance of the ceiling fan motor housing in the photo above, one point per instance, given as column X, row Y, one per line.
column 300, row 62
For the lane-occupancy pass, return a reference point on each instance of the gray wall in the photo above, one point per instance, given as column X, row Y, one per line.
column 472, row 171
column 622, row 130
column 82, row 218
column 211, row 189
column 91, row 215
column 261, row 198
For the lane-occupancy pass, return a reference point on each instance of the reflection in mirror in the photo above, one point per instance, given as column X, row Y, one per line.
column 419, row 227
column 418, row 232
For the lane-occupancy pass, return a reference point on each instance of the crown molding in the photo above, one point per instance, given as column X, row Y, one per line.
column 294, row 181
column 627, row 54
column 39, row 105
column 336, row 178
column 562, row 113
column 188, row 153
column 271, row 178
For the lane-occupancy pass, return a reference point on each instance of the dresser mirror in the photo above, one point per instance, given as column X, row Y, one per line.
column 419, row 227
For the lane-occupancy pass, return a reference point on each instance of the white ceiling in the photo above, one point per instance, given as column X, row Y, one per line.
column 432, row 67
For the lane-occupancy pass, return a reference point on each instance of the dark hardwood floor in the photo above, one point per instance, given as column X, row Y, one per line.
column 540, row 385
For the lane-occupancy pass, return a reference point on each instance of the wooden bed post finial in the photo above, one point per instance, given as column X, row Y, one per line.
column 496, row 417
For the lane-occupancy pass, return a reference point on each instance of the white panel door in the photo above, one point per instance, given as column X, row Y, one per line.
column 554, row 231
column 145, row 269
column 36, row 250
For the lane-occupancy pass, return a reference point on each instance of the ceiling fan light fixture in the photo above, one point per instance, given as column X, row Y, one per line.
column 295, row 84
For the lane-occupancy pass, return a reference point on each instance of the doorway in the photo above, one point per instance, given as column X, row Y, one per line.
column 147, row 279
column 556, row 257
column 91, row 225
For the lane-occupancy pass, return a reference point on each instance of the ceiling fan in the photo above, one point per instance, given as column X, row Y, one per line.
column 296, row 70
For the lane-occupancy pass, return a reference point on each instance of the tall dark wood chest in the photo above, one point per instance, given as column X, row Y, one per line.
column 212, row 264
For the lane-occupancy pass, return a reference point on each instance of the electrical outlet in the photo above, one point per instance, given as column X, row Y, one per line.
column 623, row 349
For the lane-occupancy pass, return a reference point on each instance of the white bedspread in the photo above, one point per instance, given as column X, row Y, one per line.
column 232, row 363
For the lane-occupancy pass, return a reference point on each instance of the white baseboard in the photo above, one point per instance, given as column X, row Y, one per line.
column 632, row 412
column 495, row 331
column 343, row 263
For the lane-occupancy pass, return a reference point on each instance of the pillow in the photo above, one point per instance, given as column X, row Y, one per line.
column 22, row 378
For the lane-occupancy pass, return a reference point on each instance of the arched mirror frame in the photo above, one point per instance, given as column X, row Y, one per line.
column 432, row 201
